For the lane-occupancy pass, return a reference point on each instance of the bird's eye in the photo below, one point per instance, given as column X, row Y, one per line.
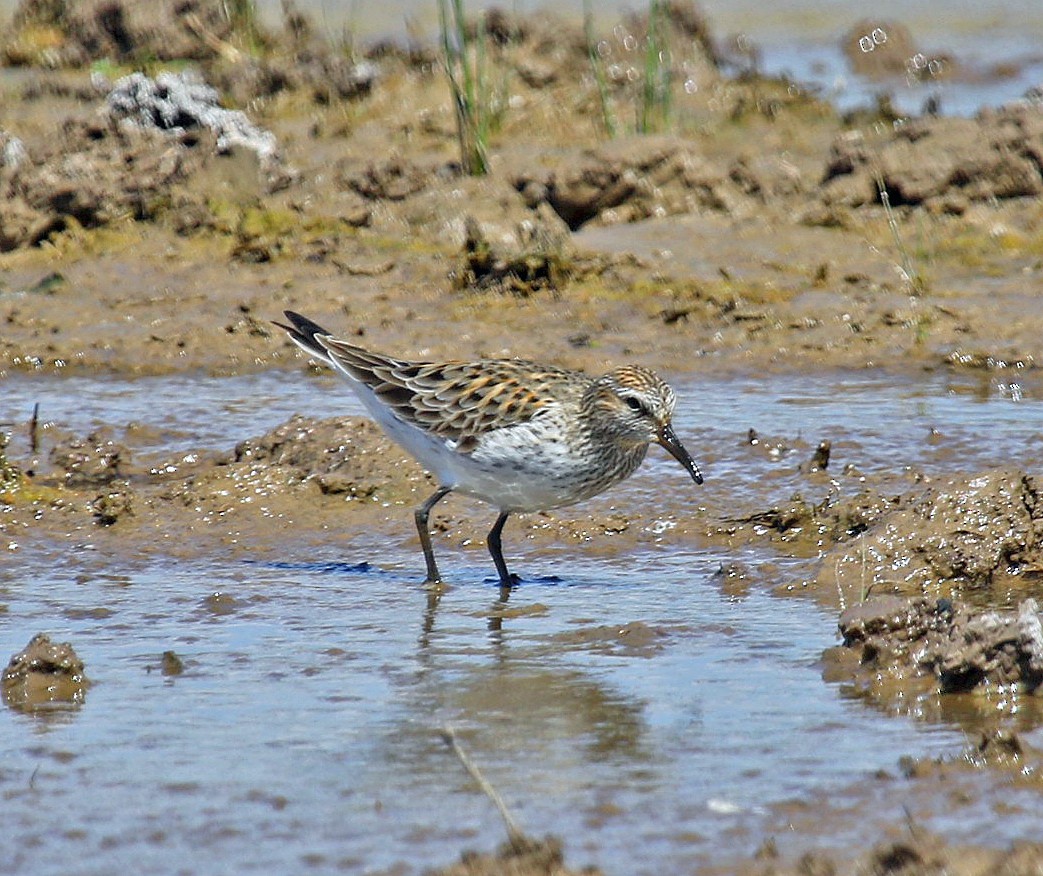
column 635, row 404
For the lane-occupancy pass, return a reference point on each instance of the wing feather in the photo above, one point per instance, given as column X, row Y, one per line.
column 455, row 400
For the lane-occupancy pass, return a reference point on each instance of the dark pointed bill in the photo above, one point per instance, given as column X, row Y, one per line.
column 669, row 440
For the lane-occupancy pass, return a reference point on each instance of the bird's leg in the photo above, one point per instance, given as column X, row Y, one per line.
column 507, row 580
column 421, row 514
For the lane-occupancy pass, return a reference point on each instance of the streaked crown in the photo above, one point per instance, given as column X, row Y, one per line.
column 631, row 404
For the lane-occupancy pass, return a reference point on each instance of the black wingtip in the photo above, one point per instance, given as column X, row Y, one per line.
column 302, row 327
column 303, row 332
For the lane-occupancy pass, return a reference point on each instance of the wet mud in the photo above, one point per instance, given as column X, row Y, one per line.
column 44, row 675
column 148, row 229
column 923, row 648
column 541, row 858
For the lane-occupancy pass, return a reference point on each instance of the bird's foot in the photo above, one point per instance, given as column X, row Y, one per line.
column 435, row 585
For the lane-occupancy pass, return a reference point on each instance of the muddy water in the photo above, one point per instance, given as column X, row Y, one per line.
column 637, row 708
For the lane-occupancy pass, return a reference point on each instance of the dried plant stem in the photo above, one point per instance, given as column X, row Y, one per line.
column 34, row 429
column 515, row 834
column 913, row 277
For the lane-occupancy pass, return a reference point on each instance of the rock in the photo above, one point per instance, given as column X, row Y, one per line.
column 178, row 102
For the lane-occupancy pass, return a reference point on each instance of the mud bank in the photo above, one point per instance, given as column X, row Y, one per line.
column 799, row 264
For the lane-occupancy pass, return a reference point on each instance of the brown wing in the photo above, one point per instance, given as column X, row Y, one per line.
column 456, row 400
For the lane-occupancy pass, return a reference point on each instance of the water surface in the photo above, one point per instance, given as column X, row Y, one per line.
column 302, row 735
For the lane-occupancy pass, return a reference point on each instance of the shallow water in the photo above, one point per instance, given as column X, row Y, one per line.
column 304, row 729
column 302, row 736
column 874, row 420
column 801, row 39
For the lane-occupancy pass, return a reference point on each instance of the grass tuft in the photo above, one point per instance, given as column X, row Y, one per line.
column 477, row 106
column 647, row 86
column 242, row 15
column 597, row 67
column 654, row 108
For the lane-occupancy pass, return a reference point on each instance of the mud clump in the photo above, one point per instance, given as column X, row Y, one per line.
column 112, row 506
column 878, row 49
column 911, row 852
column 171, row 664
column 962, row 649
column 98, row 176
column 969, row 532
column 942, row 163
column 136, row 159
column 628, row 180
column 96, row 460
column 531, row 858
column 980, row 532
column 343, row 458
column 801, row 520
column 320, row 449
column 75, row 34
column 93, row 174
column 44, row 675
column 392, row 180
column 541, row 262
column 995, row 648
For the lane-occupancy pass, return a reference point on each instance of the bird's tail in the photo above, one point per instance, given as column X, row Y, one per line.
column 305, row 334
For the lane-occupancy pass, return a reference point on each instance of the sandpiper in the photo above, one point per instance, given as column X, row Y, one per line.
column 517, row 434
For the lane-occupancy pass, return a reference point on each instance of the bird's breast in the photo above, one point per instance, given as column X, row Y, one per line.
column 532, row 467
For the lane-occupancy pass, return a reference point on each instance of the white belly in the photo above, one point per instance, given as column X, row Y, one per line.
column 528, row 467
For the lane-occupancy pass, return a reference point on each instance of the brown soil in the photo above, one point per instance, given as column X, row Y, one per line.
column 923, row 648
column 131, row 248
column 535, row 858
